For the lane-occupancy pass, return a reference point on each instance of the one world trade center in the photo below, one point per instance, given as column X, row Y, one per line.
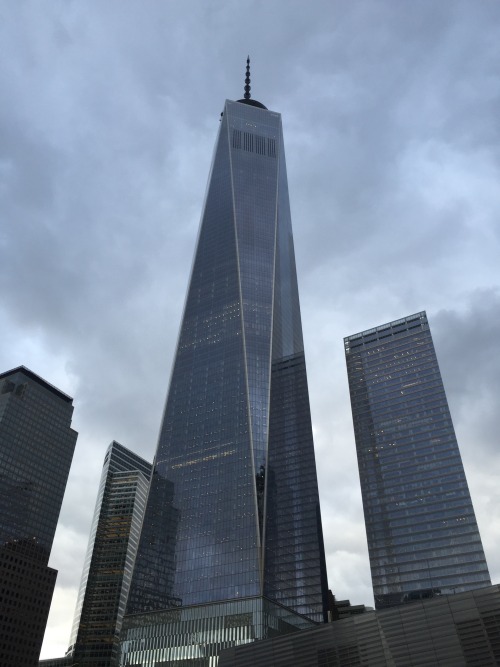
column 231, row 548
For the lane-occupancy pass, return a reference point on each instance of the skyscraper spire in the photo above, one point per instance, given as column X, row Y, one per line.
column 246, row 99
column 247, row 80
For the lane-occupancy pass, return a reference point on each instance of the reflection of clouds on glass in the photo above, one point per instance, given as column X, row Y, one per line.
column 154, row 573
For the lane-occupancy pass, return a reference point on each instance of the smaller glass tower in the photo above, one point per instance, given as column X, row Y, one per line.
column 422, row 533
column 110, row 557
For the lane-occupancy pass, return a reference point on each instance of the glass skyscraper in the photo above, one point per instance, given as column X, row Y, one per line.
column 36, row 450
column 423, row 538
column 231, row 548
column 110, row 558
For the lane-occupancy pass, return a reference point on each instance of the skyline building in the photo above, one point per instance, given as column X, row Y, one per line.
column 231, row 548
column 423, row 538
column 110, row 558
column 36, row 449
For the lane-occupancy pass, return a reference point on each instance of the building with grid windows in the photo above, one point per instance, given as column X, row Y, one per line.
column 36, row 450
column 231, row 547
column 110, row 558
column 423, row 539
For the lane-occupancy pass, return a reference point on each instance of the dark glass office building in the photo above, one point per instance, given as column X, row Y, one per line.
column 423, row 538
column 231, row 549
column 36, row 450
column 110, row 558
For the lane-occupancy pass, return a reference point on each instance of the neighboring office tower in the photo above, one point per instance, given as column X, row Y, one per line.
column 422, row 533
column 231, row 543
column 110, row 557
column 36, row 450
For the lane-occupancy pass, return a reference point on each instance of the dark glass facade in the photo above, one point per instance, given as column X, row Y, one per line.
column 423, row 538
column 67, row 661
column 110, row 558
column 36, row 450
column 233, row 511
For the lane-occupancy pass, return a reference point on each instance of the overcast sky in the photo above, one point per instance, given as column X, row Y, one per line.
column 109, row 113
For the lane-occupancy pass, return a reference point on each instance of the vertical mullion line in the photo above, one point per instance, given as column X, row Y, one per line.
column 249, row 413
column 264, row 509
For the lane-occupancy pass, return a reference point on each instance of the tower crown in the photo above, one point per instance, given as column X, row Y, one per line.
column 247, row 97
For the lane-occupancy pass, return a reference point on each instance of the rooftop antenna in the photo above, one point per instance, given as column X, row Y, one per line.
column 247, row 97
column 247, row 80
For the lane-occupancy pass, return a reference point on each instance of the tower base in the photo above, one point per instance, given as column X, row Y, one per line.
column 194, row 636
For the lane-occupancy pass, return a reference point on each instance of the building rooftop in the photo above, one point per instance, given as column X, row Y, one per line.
column 39, row 380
